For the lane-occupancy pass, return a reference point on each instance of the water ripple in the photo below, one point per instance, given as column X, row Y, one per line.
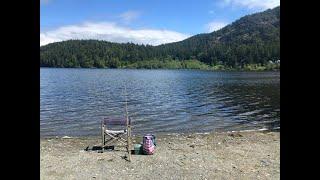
column 73, row 101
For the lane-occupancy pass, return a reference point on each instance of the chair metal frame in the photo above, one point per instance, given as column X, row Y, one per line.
column 109, row 136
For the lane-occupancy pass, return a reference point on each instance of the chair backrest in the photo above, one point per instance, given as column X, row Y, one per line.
column 116, row 121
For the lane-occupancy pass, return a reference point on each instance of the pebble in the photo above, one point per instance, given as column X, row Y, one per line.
column 265, row 163
column 66, row 137
column 235, row 135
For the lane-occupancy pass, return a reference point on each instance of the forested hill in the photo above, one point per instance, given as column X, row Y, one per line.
column 253, row 39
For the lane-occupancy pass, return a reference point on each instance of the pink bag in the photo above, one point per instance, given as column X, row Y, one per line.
column 148, row 145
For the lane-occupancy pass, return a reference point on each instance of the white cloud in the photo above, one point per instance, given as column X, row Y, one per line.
column 253, row 4
column 110, row 32
column 215, row 25
column 129, row 16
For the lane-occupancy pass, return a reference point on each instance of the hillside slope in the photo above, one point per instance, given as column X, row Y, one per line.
column 253, row 39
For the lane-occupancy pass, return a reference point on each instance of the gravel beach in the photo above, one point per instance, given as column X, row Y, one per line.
column 229, row 155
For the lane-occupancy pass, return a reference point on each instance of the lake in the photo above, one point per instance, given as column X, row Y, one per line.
column 74, row 101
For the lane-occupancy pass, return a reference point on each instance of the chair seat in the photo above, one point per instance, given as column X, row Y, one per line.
column 115, row 132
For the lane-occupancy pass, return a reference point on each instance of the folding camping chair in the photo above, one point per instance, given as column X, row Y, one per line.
column 117, row 130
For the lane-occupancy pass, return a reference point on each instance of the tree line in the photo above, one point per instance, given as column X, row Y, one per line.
column 251, row 41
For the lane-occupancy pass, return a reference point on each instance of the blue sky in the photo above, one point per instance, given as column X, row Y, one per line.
column 140, row 21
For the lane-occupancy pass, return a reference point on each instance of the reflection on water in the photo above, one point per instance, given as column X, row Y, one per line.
column 73, row 101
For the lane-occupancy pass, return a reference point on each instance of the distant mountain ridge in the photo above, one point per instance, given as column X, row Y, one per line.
column 252, row 39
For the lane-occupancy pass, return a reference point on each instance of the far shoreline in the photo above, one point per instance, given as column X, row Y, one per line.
column 211, row 70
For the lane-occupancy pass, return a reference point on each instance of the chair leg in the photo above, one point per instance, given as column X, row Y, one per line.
column 102, row 134
column 129, row 143
column 104, row 141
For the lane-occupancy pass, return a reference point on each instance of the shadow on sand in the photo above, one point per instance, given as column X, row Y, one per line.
column 99, row 149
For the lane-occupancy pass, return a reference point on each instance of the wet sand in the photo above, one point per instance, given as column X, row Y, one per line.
column 230, row 155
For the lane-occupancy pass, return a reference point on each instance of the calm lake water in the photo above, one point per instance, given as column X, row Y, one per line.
column 74, row 101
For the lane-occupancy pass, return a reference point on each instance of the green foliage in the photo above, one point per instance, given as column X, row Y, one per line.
column 249, row 43
column 168, row 64
column 219, row 67
column 259, row 67
column 254, row 67
column 194, row 64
